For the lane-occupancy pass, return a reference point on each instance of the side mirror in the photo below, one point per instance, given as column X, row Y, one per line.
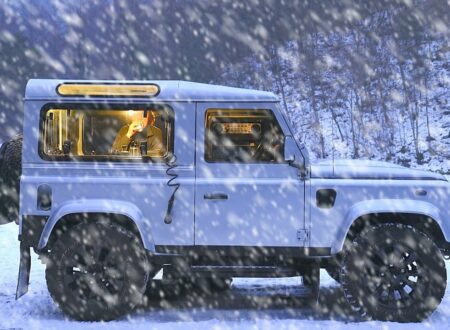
column 290, row 150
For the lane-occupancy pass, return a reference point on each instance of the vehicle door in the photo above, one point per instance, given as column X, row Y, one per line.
column 246, row 193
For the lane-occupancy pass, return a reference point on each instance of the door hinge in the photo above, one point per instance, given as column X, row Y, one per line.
column 302, row 235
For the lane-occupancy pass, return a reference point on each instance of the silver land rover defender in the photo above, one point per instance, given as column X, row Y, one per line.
column 122, row 179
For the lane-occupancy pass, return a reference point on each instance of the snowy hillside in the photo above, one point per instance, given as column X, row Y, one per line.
column 361, row 97
column 378, row 70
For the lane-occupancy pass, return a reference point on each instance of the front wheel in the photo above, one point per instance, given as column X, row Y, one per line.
column 394, row 272
column 334, row 271
column 97, row 272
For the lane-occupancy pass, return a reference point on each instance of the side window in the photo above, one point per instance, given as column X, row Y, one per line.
column 251, row 136
column 106, row 133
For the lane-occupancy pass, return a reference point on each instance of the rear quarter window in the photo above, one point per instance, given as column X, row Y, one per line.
column 106, row 133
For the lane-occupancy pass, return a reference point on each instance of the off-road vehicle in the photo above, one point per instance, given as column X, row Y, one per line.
column 122, row 179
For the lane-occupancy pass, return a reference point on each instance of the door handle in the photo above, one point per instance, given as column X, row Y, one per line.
column 215, row 196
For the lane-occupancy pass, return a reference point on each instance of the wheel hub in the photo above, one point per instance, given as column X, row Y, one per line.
column 397, row 275
column 94, row 271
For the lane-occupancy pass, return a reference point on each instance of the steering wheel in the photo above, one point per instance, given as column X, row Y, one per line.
column 259, row 151
column 262, row 152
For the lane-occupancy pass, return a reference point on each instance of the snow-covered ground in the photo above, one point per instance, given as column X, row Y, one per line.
column 250, row 304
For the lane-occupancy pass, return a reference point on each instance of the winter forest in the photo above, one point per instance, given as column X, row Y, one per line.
column 359, row 79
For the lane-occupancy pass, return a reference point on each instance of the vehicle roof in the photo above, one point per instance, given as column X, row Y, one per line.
column 170, row 90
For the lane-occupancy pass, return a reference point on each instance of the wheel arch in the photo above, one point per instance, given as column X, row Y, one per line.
column 75, row 212
column 418, row 214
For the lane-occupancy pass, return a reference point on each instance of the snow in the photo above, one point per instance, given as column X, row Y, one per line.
column 357, row 80
column 250, row 304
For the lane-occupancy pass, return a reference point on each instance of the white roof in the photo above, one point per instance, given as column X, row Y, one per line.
column 170, row 90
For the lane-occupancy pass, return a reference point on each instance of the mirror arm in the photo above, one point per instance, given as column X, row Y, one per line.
column 303, row 172
column 290, row 156
column 300, row 166
column 293, row 163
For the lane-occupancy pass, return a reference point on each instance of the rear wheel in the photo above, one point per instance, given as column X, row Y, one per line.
column 394, row 272
column 97, row 272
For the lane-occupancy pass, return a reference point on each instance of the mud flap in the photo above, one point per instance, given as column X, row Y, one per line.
column 311, row 279
column 24, row 270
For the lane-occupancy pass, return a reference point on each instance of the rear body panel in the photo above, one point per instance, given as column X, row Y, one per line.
column 111, row 186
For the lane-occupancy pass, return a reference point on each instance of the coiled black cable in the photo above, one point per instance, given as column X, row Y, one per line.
column 171, row 163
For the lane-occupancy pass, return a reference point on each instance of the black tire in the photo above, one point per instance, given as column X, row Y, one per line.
column 334, row 272
column 394, row 272
column 12, row 160
column 97, row 272
column 10, row 172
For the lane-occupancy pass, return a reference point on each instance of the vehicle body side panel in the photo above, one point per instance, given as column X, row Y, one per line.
column 141, row 186
column 100, row 206
column 355, row 198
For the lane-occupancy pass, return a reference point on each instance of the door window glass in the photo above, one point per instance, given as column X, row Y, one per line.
column 243, row 136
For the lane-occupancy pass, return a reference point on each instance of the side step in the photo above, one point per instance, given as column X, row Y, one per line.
column 243, row 271
column 194, row 277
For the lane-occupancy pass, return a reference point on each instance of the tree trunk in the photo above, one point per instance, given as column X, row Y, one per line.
column 412, row 114
column 308, row 50
column 352, row 129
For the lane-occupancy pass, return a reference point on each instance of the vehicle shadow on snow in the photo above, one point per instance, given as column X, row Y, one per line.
column 248, row 303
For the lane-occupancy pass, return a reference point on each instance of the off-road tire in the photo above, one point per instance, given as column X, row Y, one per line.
column 334, row 272
column 393, row 272
column 10, row 172
column 97, row 272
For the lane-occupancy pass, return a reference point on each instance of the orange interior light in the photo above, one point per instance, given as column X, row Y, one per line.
column 108, row 90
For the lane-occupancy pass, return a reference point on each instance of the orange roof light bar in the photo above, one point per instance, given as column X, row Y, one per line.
column 108, row 90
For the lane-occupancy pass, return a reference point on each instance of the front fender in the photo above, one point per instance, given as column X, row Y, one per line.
column 100, row 206
column 386, row 206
